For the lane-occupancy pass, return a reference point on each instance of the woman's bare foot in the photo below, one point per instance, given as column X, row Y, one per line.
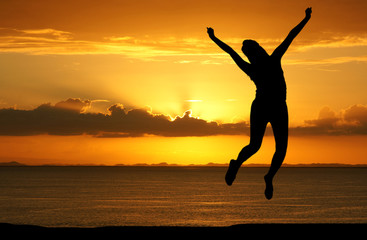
column 231, row 172
column 268, row 187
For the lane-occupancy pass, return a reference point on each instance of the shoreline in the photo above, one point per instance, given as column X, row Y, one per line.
column 270, row 230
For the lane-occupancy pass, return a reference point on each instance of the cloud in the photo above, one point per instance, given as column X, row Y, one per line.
column 140, row 122
column 350, row 121
column 52, row 41
column 45, row 41
column 74, row 104
column 333, row 40
column 327, row 118
column 356, row 114
column 69, row 118
column 327, row 61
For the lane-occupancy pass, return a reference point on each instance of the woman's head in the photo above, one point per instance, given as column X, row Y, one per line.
column 253, row 51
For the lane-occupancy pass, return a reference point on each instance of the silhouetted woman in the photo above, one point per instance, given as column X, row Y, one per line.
column 270, row 102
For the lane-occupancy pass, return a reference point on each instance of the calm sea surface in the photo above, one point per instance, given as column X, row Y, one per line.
column 180, row 196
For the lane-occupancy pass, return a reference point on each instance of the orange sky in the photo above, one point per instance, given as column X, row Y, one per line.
column 155, row 57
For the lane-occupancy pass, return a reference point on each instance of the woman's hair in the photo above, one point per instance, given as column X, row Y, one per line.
column 253, row 51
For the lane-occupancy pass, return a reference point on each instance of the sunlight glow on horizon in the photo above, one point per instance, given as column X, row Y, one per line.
column 85, row 150
column 158, row 57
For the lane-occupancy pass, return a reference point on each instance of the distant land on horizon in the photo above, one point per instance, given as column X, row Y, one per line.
column 164, row 164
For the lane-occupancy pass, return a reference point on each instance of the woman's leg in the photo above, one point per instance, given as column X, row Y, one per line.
column 279, row 123
column 257, row 131
column 258, row 124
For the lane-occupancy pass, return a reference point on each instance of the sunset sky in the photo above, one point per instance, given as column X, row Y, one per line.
column 126, row 82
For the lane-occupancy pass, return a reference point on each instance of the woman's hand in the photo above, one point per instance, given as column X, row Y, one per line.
column 210, row 31
column 308, row 12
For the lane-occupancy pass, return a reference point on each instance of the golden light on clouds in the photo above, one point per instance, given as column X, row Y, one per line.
column 57, row 42
column 134, row 54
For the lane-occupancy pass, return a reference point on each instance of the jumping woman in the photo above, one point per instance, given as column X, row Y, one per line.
column 269, row 105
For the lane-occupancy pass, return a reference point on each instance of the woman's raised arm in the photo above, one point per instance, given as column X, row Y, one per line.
column 282, row 48
column 236, row 58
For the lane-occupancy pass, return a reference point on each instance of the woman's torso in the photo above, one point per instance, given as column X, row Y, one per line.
column 269, row 80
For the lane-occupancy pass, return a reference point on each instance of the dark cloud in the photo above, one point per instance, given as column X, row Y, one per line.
column 70, row 118
column 74, row 104
column 65, row 118
column 351, row 121
column 356, row 114
column 356, row 117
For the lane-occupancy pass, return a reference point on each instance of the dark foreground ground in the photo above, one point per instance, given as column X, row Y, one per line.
column 246, row 231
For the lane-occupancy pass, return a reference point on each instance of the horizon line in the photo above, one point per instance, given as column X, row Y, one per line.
column 165, row 164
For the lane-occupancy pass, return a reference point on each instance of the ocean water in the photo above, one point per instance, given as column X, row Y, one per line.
column 179, row 196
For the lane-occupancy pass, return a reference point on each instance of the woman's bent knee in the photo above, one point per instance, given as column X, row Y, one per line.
column 254, row 147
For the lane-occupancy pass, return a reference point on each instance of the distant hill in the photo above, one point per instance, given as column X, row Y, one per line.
column 11, row 164
column 164, row 164
column 316, row 165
